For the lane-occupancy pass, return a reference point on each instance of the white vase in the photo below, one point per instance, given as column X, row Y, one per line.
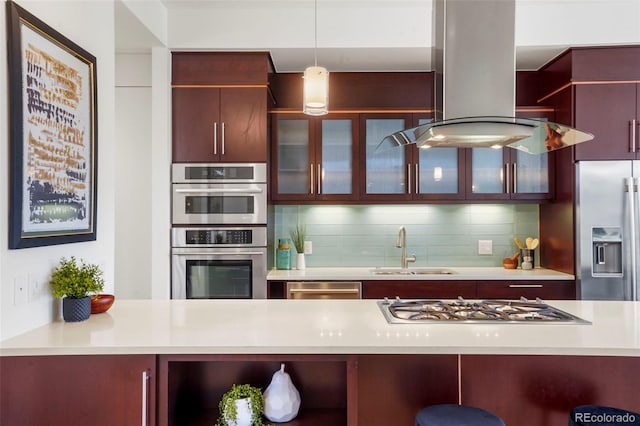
column 300, row 264
column 243, row 413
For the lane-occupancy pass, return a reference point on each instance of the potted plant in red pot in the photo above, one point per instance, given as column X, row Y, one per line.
column 73, row 281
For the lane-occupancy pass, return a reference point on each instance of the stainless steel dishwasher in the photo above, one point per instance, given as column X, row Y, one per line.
column 324, row 290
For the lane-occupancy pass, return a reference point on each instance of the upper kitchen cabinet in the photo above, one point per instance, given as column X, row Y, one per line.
column 314, row 158
column 510, row 174
column 220, row 106
column 612, row 113
column 604, row 98
column 387, row 174
column 332, row 157
column 409, row 172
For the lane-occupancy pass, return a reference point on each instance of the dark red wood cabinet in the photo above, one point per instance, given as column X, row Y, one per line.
column 219, row 106
column 314, row 158
column 219, row 124
column 612, row 113
column 100, row 390
column 531, row 289
column 414, row 289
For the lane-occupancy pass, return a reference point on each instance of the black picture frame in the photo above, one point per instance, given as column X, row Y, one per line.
column 53, row 135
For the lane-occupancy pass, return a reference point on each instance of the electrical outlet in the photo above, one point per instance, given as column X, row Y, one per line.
column 20, row 290
column 308, row 247
column 485, row 246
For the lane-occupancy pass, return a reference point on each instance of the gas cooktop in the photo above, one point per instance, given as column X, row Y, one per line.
column 465, row 311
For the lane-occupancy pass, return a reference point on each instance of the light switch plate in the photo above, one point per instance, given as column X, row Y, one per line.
column 308, row 247
column 485, row 246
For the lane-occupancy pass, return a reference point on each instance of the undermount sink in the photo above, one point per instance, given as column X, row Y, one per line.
column 412, row 271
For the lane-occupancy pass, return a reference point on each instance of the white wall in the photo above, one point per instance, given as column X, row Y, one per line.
column 90, row 24
column 133, row 176
column 143, row 150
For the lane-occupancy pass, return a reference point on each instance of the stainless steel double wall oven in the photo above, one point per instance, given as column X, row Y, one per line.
column 219, row 234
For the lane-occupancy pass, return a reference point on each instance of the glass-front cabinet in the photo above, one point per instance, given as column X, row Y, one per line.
column 506, row 173
column 388, row 172
column 439, row 172
column 335, row 158
column 410, row 172
column 313, row 157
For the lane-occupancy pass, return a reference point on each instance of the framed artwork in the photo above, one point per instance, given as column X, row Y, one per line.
column 53, row 135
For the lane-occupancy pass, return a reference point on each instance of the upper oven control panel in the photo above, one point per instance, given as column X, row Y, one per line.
column 219, row 173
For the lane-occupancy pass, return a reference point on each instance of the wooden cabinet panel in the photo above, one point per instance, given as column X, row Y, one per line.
column 243, row 113
column 526, row 390
column 393, row 388
column 77, row 390
column 196, row 113
column 546, row 290
column 413, row 289
column 219, row 125
column 201, row 68
column 607, row 111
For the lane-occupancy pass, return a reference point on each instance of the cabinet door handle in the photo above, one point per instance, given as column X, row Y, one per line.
column 632, row 135
column 514, row 178
column 215, row 138
column 311, row 178
column 525, row 285
column 319, row 172
column 223, row 138
column 408, row 178
column 417, row 169
column 146, row 375
column 506, row 178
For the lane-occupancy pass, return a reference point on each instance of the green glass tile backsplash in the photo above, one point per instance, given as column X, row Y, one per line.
column 439, row 235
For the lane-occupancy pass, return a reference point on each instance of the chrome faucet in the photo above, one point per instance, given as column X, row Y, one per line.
column 401, row 242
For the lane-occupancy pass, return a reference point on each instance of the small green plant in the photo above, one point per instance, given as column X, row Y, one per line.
column 228, row 409
column 298, row 235
column 75, row 280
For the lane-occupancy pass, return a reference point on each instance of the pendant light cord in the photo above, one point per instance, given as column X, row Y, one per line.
column 315, row 32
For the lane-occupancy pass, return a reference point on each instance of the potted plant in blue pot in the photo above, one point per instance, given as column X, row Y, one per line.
column 73, row 281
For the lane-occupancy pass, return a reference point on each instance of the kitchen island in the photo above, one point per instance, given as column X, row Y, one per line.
column 352, row 367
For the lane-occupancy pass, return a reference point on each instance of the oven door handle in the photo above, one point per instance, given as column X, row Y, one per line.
column 219, row 190
column 219, row 253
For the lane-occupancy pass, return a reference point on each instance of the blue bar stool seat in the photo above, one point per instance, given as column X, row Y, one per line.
column 456, row 415
column 598, row 415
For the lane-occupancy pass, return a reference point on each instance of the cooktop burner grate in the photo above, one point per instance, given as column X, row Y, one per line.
column 461, row 310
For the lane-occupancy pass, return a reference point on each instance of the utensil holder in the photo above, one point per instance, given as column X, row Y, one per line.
column 527, row 256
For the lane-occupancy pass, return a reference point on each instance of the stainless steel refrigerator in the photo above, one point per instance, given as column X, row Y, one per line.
column 608, row 246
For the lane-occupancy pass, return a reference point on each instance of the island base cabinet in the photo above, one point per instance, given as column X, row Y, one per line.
column 536, row 390
column 92, row 390
column 191, row 386
column 393, row 388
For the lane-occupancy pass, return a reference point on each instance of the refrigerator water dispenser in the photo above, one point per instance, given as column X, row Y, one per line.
column 607, row 251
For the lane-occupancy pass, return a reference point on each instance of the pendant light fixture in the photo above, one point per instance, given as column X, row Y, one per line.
column 315, row 97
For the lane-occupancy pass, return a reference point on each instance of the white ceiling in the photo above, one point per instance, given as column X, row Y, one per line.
column 370, row 35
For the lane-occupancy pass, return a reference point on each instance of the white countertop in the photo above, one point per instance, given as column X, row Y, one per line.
column 322, row 327
column 460, row 273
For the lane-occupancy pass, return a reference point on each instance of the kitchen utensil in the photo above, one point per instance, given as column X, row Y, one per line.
column 518, row 242
column 534, row 244
column 511, row 262
column 528, row 242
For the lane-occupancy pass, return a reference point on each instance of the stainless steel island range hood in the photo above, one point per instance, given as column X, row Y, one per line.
column 474, row 61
